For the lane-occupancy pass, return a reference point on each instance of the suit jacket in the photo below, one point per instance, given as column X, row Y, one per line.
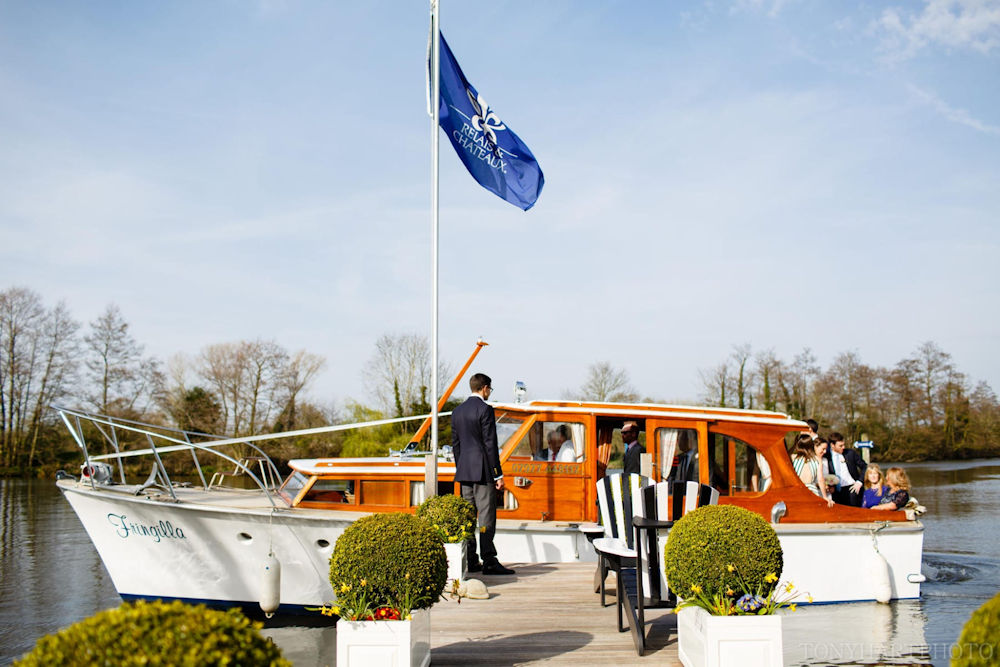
column 630, row 463
column 474, row 441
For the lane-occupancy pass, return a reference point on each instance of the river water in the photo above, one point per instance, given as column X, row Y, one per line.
column 51, row 576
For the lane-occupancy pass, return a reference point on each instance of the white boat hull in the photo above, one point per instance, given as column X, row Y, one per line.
column 211, row 546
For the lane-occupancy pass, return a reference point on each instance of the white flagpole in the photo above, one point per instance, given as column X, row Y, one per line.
column 430, row 472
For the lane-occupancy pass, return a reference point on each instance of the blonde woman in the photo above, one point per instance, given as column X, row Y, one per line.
column 899, row 490
column 875, row 486
column 806, row 462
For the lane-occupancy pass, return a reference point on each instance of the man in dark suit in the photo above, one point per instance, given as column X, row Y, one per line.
column 477, row 469
column 630, row 437
column 850, row 470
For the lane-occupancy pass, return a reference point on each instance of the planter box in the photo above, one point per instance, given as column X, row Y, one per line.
column 457, row 565
column 715, row 641
column 388, row 643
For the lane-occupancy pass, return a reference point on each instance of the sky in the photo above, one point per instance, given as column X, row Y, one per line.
column 784, row 174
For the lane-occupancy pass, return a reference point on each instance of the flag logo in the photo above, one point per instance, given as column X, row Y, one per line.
column 493, row 154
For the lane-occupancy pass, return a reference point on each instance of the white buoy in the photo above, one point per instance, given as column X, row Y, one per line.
column 878, row 574
column 270, row 586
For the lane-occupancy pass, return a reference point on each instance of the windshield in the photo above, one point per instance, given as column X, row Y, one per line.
column 506, row 427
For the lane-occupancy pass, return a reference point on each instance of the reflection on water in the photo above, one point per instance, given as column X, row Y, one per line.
column 51, row 576
column 863, row 633
column 50, row 573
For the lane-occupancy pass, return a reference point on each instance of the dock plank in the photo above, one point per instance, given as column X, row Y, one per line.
column 548, row 613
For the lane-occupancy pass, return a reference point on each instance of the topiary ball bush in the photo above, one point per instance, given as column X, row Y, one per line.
column 452, row 517
column 704, row 543
column 979, row 643
column 158, row 633
column 394, row 554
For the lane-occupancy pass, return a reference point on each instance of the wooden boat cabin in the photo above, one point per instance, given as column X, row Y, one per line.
column 742, row 453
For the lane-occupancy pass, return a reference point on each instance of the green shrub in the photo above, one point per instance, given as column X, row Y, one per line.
column 387, row 560
column 158, row 633
column 452, row 517
column 704, row 543
column 979, row 643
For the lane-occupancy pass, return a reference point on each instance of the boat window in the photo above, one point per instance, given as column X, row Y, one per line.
column 678, row 454
column 331, row 491
column 506, row 427
column 736, row 466
column 294, row 483
column 558, row 442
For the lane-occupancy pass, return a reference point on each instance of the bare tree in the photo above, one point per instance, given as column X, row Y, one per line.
column 300, row 370
column 37, row 363
column 743, row 377
column 123, row 381
column 767, row 369
column 606, row 383
column 401, row 362
column 717, row 383
column 250, row 381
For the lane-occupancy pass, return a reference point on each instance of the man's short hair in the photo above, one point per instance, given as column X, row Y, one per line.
column 478, row 381
column 836, row 437
column 813, row 425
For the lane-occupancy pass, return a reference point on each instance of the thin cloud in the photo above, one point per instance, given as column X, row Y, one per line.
column 958, row 24
column 953, row 114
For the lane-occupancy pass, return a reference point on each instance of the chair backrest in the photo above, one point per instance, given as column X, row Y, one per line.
column 617, row 497
column 666, row 501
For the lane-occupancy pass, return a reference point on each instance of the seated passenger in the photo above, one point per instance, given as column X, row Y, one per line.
column 899, row 490
column 560, row 447
column 806, row 457
column 875, row 486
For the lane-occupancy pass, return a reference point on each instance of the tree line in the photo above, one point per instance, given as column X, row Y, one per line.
column 921, row 408
column 239, row 388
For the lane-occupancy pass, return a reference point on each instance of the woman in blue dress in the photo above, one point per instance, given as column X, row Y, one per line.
column 899, row 490
column 875, row 486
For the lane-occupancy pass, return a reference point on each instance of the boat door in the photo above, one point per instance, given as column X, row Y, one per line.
column 545, row 472
column 678, row 448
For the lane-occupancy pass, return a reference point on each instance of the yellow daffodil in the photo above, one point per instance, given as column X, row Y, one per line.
column 810, row 598
column 730, row 591
column 695, row 588
column 789, row 587
column 731, row 568
column 364, row 583
column 771, row 578
column 344, row 588
column 792, row 606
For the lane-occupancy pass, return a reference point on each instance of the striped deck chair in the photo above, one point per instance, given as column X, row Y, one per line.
column 659, row 506
column 616, row 498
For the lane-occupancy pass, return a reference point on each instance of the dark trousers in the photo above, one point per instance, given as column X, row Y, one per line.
column 845, row 496
column 484, row 498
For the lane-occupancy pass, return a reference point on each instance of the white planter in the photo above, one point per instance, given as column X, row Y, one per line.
column 716, row 641
column 385, row 643
column 457, row 565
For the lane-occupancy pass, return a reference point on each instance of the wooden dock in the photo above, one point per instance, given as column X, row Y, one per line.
column 545, row 613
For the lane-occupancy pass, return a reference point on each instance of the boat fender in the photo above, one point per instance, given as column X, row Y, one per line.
column 270, row 589
column 878, row 574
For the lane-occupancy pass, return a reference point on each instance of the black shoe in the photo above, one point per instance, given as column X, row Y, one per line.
column 496, row 568
column 474, row 567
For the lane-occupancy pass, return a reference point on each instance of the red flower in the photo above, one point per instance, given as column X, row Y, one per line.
column 386, row 614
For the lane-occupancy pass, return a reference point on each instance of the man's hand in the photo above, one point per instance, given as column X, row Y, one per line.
column 500, row 484
column 856, row 487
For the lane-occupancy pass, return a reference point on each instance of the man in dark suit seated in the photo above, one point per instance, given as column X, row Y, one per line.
column 477, row 469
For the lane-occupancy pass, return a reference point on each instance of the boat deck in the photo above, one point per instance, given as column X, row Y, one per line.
column 548, row 613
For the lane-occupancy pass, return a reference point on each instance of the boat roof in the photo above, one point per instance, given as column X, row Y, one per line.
column 661, row 410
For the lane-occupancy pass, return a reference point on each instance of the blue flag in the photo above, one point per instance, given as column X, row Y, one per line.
column 494, row 155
